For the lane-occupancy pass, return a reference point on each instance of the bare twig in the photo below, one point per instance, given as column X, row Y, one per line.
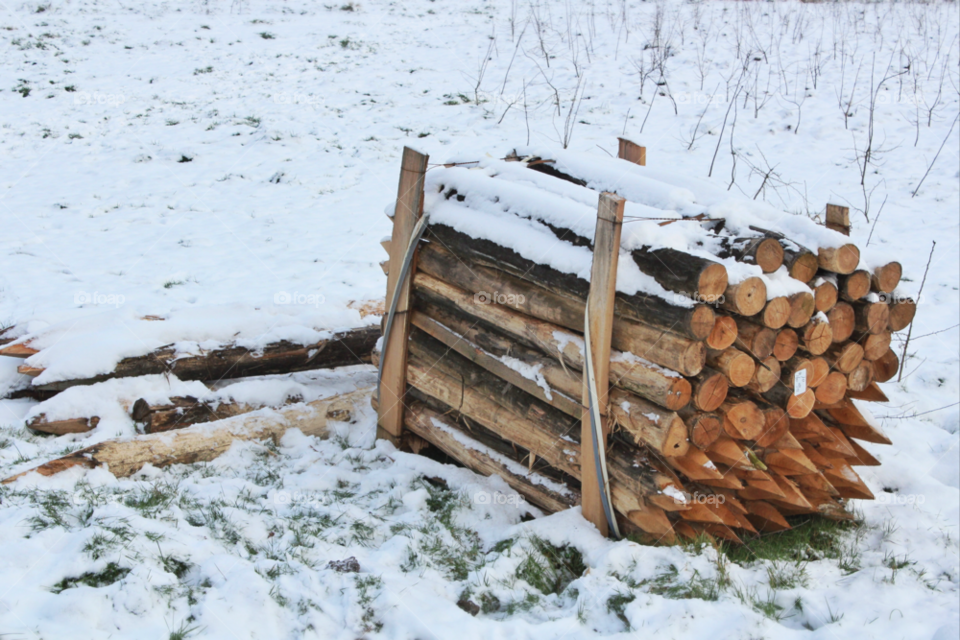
column 903, row 355
column 947, row 137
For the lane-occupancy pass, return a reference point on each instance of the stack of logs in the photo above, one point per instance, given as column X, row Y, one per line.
column 342, row 348
column 713, row 431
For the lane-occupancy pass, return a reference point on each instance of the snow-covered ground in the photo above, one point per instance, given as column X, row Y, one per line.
column 226, row 165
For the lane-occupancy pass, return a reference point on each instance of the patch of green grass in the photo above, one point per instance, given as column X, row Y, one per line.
column 617, row 604
column 368, row 588
column 184, row 631
column 266, row 35
column 548, row 568
column 786, row 575
column 110, row 574
column 811, row 538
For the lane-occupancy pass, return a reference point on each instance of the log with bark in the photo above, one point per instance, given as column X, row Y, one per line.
column 205, row 442
column 680, row 272
column 478, row 265
column 61, row 427
column 183, row 411
column 448, row 304
column 343, row 348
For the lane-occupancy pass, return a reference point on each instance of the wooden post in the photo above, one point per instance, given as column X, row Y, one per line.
column 632, row 152
column 603, row 280
column 393, row 384
column 838, row 218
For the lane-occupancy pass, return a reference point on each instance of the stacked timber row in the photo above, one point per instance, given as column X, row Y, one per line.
column 730, row 405
column 340, row 349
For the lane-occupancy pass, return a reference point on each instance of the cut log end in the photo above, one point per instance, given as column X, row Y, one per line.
column 843, row 259
column 724, row 333
column 735, row 364
column 702, row 321
column 712, row 282
column 886, row 278
column 855, row 286
column 746, row 298
column 705, row 429
column 769, row 255
column 802, row 307
column 872, row 317
column 767, row 374
column 831, row 390
column 803, row 266
column 710, row 390
column 743, row 420
column 847, row 357
column 801, row 406
column 785, row 345
column 817, row 337
column 860, row 378
column 902, row 312
column 776, row 312
column 842, row 321
column 825, row 296
column 820, row 369
column 886, row 366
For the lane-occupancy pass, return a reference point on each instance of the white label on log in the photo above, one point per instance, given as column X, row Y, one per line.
column 799, row 382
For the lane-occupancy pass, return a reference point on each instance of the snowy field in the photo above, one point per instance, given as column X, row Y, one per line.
column 226, row 165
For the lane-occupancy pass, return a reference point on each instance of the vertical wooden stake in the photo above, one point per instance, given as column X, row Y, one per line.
column 603, row 282
column 393, row 384
column 838, row 218
column 632, row 152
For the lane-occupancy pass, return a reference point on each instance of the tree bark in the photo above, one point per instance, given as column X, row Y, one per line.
column 479, row 265
column 183, row 411
column 61, row 427
column 343, row 348
column 680, row 272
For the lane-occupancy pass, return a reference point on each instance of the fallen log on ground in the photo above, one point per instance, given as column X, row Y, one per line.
column 341, row 349
column 204, row 442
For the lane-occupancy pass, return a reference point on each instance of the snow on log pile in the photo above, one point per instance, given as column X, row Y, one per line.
column 77, row 370
column 744, row 343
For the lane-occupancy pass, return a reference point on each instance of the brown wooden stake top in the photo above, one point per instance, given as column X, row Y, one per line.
column 838, row 218
column 632, row 152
